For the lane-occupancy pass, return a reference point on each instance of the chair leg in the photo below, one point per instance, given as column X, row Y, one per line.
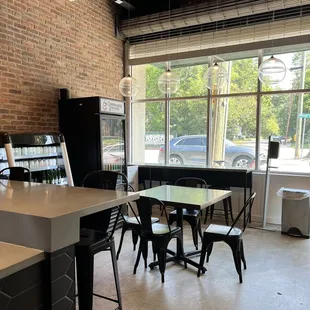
column 85, row 279
column 199, row 228
column 194, row 233
column 138, row 257
column 121, row 242
column 205, row 245
column 235, row 248
column 116, row 277
column 230, row 208
column 211, row 212
column 135, row 237
column 242, row 255
column 225, row 205
column 154, row 251
column 162, row 263
column 209, row 250
column 145, row 253
column 206, row 216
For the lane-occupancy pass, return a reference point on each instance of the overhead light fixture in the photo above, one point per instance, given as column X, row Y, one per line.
column 216, row 77
column 272, row 71
column 169, row 82
column 119, row 1
column 128, row 86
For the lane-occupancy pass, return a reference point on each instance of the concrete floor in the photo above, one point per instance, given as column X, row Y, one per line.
column 278, row 277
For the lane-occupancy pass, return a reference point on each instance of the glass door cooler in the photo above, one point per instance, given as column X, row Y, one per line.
column 94, row 128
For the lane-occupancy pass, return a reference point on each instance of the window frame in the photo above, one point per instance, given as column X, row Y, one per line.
column 208, row 97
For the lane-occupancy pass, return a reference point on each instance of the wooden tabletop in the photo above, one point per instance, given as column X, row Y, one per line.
column 47, row 217
column 186, row 197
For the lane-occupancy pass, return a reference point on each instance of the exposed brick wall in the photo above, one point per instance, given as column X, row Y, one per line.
column 50, row 44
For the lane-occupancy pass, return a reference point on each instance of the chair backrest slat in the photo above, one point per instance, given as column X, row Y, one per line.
column 102, row 180
column 17, row 174
column 246, row 211
column 145, row 205
column 191, row 182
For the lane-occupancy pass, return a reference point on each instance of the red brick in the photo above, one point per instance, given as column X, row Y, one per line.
column 44, row 47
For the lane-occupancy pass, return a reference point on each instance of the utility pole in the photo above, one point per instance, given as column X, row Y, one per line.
column 300, row 106
column 289, row 116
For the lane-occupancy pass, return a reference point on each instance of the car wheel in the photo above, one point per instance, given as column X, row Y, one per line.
column 242, row 161
column 175, row 160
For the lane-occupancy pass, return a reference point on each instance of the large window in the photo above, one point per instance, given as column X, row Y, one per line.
column 232, row 116
column 148, row 128
column 188, row 127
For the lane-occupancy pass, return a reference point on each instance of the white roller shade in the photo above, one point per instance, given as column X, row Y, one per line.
column 222, row 38
column 203, row 14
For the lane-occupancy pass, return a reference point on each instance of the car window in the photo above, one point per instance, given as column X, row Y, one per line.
column 192, row 141
column 229, row 143
column 116, row 148
column 179, row 142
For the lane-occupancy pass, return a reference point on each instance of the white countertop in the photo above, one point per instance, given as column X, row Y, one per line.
column 14, row 258
column 47, row 217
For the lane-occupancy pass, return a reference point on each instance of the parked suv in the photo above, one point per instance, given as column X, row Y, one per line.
column 192, row 150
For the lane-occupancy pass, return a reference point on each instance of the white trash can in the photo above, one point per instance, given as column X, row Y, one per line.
column 295, row 212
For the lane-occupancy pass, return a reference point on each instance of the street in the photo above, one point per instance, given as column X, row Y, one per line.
column 285, row 163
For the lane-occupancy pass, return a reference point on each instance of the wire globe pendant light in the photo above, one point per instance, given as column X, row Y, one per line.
column 272, row 71
column 216, row 77
column 169, row 82
column 128, row 86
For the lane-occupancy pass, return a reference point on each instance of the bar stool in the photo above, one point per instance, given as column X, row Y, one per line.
column 94, row 238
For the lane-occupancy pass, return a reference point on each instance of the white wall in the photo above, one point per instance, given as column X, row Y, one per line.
column 274, row 202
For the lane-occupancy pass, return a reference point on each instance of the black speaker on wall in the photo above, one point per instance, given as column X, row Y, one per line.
column 64, row 93
column 274, row 147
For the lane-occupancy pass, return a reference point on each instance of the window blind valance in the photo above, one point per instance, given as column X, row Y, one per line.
column 283, row 29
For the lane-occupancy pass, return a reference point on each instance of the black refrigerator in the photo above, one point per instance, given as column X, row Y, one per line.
column 94, row 128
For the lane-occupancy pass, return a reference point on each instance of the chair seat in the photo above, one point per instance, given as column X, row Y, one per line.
column 223, row 230
column 162, row 229
column 186, row 212
column 89, row 237
column 133, row 220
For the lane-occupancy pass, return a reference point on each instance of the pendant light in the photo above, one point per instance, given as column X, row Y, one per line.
column 216, row 77
column 169, row 82
column 128, row 86
column 272, row 71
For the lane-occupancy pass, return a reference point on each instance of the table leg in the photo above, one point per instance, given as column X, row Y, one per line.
column 60, row 282
column 178, row 255
column 179, row 224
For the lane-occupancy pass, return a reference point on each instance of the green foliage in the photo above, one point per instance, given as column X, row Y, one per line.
column 190, row 116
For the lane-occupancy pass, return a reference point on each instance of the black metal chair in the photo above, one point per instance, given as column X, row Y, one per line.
column 96, row 235
column 230, row 235
column 227, row 207
column 132, row 223
column 159, row 234
column 16, row 174
column 192, row 217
